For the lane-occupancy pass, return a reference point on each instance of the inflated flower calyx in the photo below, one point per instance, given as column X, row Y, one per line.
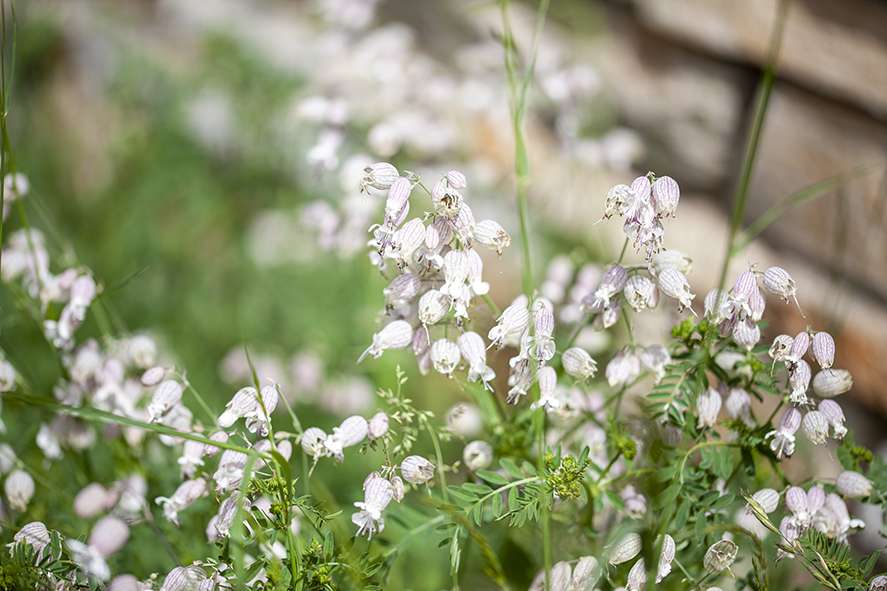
column 829, row 383
column 625, row 549
column 416, row 470
column 720, row 556
column 854, row 485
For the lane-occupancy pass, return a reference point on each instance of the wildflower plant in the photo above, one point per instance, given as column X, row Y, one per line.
column 648, row 464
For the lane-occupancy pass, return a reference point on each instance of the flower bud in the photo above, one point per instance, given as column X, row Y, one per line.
column 7, row 458
column 767, row 498
column 829, row 383
column 823, row 349
column 626, row 549
column 377, row 425
column 578, row 363
column 816, row 427
column 853, row 485
column 416, row 470
column 19, row 488
column 623, row 368
column 477, row 455
column 879, row 583
column 720, row 556
column 666, row 194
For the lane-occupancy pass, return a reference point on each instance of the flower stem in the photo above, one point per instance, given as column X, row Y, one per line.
column 768, row 78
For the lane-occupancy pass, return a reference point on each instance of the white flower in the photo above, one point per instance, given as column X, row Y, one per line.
column 783, row 439
column 378, row 178
column 464, row 420
column 511, row 323
column 445, row 356
column 377, row 425
column 230, row 471
column 626, row 549
column 7, row 376
column 378, row 493
column 666, row 556
column 674, row 284
column 395, row 335
column 823, row 346
column 853, row 485
column 7, row 458
column 835, row 416
column 816, row 427
column 708, row 406
column 799, row 380
column 829, row 383
column 673, row 259
column 416, row 470
column 767, row 498
column 641, row 293
column 92, row 500
column 492, row 235
column 720, row 556
column 89, row 560
column 623, row 369
column 477, row 455
column 471, row 345
column 183, row 578
column 738, row 406
column 192, row 457
column 108, row 535
column 165, row 397
column 637, row 576
column 34, row 534
column 187, row 492
column 433, row 307
column 153, row 376
column 547, row 379
column 578, row 363
column 19, row 488
column 666, row 195
column 350, row 432
column 778, row 282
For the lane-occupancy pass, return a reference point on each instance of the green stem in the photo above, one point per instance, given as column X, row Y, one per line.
column 768, row 78
column 441, row 475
